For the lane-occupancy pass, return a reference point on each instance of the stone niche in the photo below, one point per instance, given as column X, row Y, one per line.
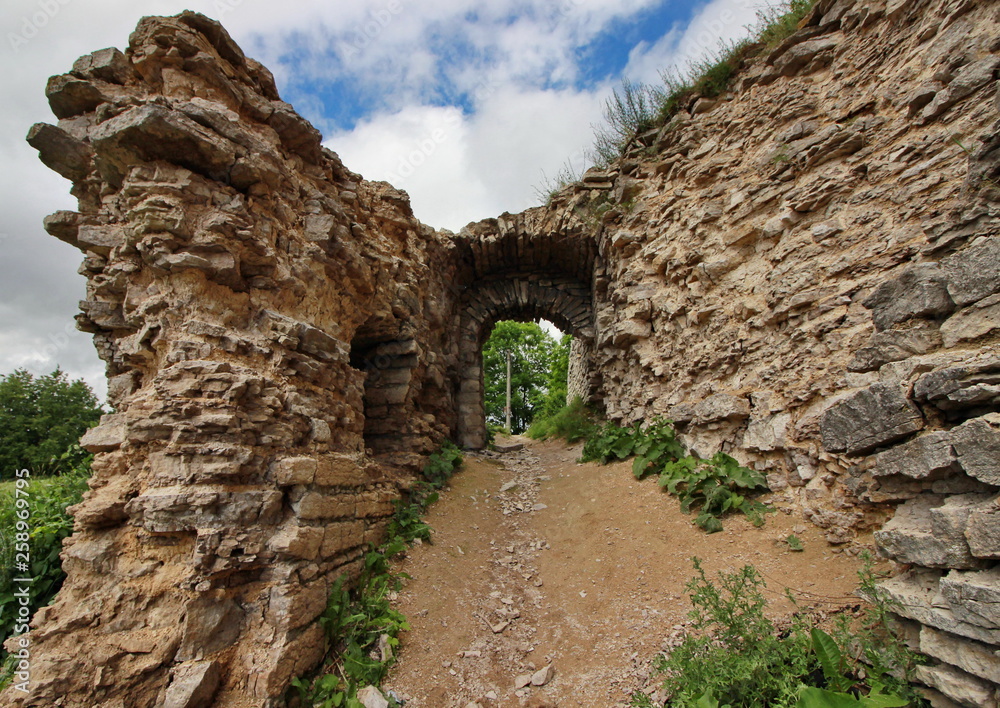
column 803, row 272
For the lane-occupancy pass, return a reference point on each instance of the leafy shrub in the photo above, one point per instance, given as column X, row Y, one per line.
column 48, row 525
column 637, row 107
column 407, row 523
column 629, row 111
column 362, row 630
column 573, row 422
column 778, row 23
column 713, row 486
column 739, row 658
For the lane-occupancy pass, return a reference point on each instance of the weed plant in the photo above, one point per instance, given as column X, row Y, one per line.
column 738, row 657
column 361, row 626
column 48, row 524
column 573, row 422
column 636, row 107
column 715, row 487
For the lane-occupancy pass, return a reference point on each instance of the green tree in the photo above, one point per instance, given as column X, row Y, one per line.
column 532, row 351
column 558, row 383
column 41, row 418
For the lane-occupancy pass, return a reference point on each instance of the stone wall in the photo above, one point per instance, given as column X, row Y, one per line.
column 804, row 273
column 277, row 333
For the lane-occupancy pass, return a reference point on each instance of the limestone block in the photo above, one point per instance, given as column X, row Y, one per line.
column 972, row 657
column 967, row 81
column 829, row 144
column 109, row 435
column 916, row 595
column 315, row 341
column 631, row 331
column 64, row 225
column 341, row 470
column 974, row 596
column 767, row 434
column 177, row 509
column 918, row 337
column 319, row 505
column 974, row 273
column 291, row 471
column 957, row 685
column 153, row 132
column 109, row 65
column 196, row 469
column 192, row 685
column 294, row 658
column 319, row 227
column 341, row 536
column 210, row 624
column 71, row 96
column 371, row 697
column 983, row 532
column 919, row 291
column 298, row 136
column 923, row 457
column 293, row 606
column 972, row 384
column 722, row 406
column 863, row 421
column 388, row 395
column 297, row 541
column 974, row 322
column 917, row 535
column 977, row 446
column 60, row 151
column 804, row 54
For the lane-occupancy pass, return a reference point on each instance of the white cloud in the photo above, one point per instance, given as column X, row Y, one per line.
column 459, row 168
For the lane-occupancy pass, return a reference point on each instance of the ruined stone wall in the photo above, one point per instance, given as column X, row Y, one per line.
column 276, row 336
column 803, row 273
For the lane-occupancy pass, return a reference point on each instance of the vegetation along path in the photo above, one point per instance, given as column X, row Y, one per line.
column 573, row 575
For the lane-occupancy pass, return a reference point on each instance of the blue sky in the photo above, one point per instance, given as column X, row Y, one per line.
column 465, row 104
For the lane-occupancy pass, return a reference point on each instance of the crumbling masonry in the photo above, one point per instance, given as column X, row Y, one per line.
column 804, row 272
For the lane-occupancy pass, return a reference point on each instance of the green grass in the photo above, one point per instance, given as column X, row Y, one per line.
column 636, row 107
column 573, row 422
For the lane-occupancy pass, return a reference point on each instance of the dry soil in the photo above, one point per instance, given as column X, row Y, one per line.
column 538, row 561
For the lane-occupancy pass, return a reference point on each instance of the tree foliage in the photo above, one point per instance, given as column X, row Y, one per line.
column 536, row 362
column 41, row 418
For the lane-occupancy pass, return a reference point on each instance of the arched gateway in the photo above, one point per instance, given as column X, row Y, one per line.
column 512, row 273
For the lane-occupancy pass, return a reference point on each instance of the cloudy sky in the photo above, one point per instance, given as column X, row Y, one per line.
column 466, row 104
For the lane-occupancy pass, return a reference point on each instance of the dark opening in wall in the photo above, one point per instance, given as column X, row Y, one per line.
column 387, row 363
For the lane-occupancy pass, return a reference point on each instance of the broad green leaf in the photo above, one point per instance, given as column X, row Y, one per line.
column 811, row 697
column 830, row 658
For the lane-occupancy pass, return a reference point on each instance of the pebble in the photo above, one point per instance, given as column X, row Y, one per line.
column 542, row 676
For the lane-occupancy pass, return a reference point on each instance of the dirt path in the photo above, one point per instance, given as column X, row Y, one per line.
column 539, row 561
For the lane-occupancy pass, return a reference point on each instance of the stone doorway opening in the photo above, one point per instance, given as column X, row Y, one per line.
column 386, row 357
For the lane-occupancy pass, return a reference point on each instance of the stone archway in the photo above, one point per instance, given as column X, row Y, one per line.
column 517, row 270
